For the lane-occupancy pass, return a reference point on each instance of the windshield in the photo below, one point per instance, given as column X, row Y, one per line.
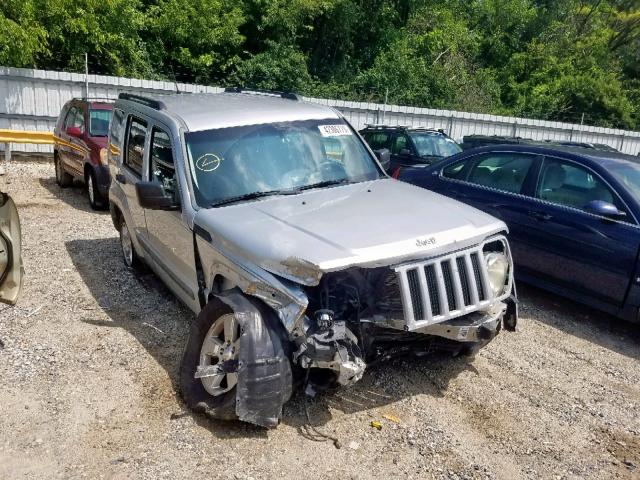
column 99, row 122
column 434, row 145
column 229, row 163
column 628, row 174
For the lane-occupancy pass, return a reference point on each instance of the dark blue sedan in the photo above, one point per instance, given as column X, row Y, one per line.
column 572, row 214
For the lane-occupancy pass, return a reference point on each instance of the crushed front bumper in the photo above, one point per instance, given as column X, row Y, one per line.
column 477, row 326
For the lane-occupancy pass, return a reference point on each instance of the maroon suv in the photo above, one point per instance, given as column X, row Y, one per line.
column 79, row 151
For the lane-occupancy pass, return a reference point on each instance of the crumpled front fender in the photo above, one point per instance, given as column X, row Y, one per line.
column 264, row 369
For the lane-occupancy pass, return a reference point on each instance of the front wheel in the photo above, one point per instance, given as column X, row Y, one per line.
column 212, row 354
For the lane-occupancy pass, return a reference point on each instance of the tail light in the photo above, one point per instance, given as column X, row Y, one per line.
column 103, row 156
column 396, row 173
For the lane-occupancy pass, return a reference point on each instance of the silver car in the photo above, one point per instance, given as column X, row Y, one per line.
column 11, row 269
column 275, row 223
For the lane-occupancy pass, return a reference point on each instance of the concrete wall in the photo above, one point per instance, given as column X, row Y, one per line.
column 32, row 99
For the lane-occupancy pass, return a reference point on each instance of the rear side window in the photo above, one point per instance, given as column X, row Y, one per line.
column 502, row 171
column 162, row 168
column 136, row 135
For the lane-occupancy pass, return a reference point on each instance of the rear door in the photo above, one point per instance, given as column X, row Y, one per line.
column 11, row 269
column 170, row 242
column 497, row 183
column 132, row 170
column 592, row 255
column 64, row 147
column 77, row 150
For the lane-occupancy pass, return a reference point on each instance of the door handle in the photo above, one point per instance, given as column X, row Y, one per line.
column 540, row 216
column 121, row 178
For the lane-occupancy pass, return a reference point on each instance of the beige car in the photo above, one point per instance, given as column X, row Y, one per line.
column 11, row 269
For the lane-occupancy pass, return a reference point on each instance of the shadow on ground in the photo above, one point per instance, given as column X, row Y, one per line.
column 580, row 320
column 139, row 303
column 74, row 196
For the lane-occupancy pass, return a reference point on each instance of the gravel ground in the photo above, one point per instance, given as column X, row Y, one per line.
column 91, row 353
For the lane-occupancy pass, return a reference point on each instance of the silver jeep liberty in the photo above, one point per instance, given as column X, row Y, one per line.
column 275, row 223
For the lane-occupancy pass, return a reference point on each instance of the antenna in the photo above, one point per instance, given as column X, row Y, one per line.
column 175, row 82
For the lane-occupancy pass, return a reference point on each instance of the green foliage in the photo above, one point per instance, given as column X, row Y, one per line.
column 107, row 29
column 196, row 38
column 552, row 59
column 22, row 38
column 279, row 68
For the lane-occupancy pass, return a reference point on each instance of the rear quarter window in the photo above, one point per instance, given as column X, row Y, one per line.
column 378, row 140
column 115, row 133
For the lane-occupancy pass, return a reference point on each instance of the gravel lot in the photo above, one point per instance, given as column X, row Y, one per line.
column 91, row 353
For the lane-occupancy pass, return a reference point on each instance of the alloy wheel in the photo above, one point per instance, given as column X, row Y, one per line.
column 220, row 348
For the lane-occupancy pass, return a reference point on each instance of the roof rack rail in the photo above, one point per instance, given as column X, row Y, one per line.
column 268, row 93
column 95, row 99
column 384, row 125
column 149, row 102
column 407, row 127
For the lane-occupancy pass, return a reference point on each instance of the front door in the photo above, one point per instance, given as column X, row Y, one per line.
column 70, row 150
column 401, row 152
column 496, row 183
column 587, row 253
column 170, row 242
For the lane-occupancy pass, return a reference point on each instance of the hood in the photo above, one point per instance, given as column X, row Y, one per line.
column 367, row 224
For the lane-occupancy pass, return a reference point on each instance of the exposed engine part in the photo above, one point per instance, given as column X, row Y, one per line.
column 335, row 349
column 324, row 320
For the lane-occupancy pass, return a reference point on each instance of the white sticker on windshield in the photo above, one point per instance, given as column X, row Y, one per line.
column 334, row 130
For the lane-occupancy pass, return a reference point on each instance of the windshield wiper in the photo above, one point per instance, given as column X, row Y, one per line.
column 326, row 183
column 270, row 193
column 252, row 196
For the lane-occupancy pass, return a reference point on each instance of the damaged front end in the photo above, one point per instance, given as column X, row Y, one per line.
column 356, row 317
column 457, row 302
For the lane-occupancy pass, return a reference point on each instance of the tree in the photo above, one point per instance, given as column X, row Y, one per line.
column 22, row 39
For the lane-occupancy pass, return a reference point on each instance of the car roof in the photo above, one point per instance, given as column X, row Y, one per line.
column 205, row 111
column 601, row 157
column 95, row 103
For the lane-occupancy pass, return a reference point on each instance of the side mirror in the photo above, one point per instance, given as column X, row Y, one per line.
column 151, row 195
column 405, row 152
column 384, row 157
column 74, row 132
column 604, row 209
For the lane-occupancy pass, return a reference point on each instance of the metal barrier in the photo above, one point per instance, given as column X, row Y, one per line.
column 21, row 136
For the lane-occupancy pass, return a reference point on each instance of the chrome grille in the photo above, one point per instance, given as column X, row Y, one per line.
column 447, row 287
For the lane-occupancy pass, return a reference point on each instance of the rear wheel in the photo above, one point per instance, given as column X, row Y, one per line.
column 96, row 200
column 129, row 255
column 63, row 179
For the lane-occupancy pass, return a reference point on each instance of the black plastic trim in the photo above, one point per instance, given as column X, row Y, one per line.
column 202, row 233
